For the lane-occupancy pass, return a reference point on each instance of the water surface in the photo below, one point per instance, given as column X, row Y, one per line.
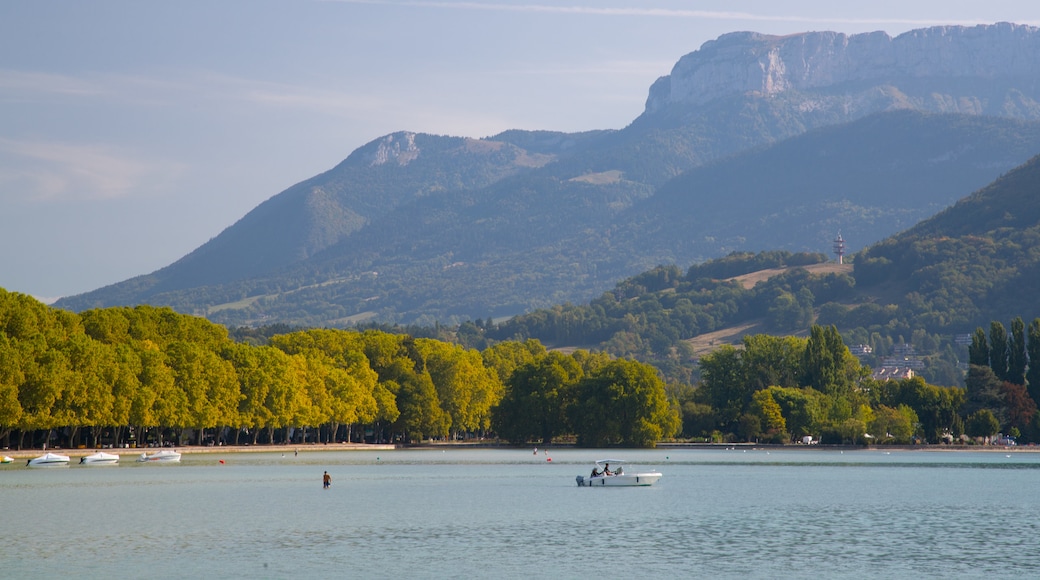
column 512, row 514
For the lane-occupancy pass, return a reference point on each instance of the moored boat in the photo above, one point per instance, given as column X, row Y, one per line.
column 49, row 460
column 164, row 456
column 99, row 458
column 603, row 476
column 7, row 459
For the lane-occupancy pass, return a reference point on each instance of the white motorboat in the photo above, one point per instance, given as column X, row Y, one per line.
column 603, row 475
column 99, row 458
column 164, row 456
column 49, row 460
column 7, row 459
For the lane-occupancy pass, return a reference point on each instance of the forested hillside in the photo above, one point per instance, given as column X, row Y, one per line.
column 973, row 263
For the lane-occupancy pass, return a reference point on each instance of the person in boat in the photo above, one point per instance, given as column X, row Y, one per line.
column 606, row 469
column 326, row 480
column 595, row 472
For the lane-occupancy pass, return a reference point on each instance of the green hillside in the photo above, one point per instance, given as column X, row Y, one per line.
column 976, row 262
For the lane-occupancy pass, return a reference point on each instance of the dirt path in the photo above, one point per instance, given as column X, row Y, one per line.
column 749, row 280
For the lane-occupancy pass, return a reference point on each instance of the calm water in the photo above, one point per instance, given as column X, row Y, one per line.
column 511, row 514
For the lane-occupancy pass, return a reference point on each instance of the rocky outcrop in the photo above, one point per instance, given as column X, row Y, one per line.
column 986, row 69
column 398, row 147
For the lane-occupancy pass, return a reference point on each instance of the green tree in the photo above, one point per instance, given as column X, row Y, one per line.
column 466, row 388
column 1017, row 356
column 355, row 394
column 998, row 350
column 804, row 409
column 937, row 407
column 155, row 378
column 624, row 403
column 1033, row 372
column 341, row 386
column 698, row 419
column 893, row 425
column 11, row 377
column 764, row 406
column 255, row 380
column 286, row 401
column 209, row 384
column 724, row 385
column 786, row 314
column 982, row 423
column 982, row 391
column 772, row 360
column 421, row 413
column 978, row 351
column 506, row 357
column 537, row 399
column 828, row 366
column 86, row 399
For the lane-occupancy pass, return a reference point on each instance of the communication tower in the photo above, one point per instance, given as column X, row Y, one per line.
column 839, row 248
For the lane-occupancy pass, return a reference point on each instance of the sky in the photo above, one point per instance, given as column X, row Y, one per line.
column 133, row 132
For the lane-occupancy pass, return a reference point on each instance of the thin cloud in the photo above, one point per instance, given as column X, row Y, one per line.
column 46, row 171
column 642, row 11
column 183, row 87
column 608, row 68
column 14, row 82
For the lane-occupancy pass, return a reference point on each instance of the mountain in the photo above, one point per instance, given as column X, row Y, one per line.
column 931, row 69
column 421, row 228
column 867, row 180
column 971, row 264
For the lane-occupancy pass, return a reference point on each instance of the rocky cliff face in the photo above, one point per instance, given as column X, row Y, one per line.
column 987, row 69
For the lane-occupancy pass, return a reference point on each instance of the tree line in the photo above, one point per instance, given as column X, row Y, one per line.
column 153, row 376
column 780, row 389
column 918, row 291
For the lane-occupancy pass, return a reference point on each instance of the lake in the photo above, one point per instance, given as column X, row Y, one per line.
column 480, row 513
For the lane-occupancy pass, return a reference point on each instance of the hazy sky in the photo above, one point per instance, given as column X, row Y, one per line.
column 132, row 132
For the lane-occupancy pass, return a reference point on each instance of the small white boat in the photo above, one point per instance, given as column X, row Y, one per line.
column 49, row 460
column 164, row 456
column 602, row 475
column 99, row 458
column 7, row 459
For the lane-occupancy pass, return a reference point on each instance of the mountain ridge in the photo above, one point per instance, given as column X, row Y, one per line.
column 742, row 62
column 420, row 227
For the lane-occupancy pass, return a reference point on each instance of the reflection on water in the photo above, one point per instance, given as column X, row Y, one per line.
column 510, row 513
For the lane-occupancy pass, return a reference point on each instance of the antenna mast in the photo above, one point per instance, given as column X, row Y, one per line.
column 839, row 248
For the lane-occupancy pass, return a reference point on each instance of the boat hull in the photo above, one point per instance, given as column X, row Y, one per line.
column 100, row 458
column 626, row 480
column 49, row 460
column 161, row 457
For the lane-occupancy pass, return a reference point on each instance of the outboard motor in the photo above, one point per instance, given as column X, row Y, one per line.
column 580, row 479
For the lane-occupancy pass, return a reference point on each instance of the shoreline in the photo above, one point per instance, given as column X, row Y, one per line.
column 203, row 449
column 323, row 447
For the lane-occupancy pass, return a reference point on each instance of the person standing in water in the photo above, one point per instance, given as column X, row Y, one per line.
column 326, row 480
